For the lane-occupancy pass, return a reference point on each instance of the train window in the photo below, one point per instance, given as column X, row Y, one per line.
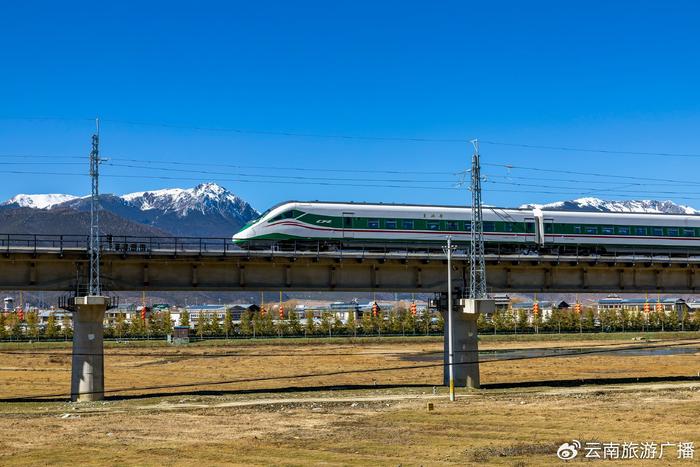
column 452, row 225
column 640, row 230
column 529, row 227
column 468, row 226
column 548, row 228
column 286, row 215
column 623, row 230
column 373, row 223
column 489, row 227
column 433, row 225
column 347, row 222
column 406, row 224
column 577, row 229
column 509, row 227
column 688, row 232
column 607, row 230
column 672, row 232
column 657, row 231
column 591, row 230
column 390, row 223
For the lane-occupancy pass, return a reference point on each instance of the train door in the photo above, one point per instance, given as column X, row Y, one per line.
column 548, row 224
column 530, row 230
column 347, row 225
column 539, row 226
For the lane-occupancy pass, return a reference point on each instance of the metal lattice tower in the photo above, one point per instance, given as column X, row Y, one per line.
column 94, row 284
column 477, row 264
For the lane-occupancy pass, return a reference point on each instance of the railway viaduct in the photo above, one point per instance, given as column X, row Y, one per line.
column 58, row 263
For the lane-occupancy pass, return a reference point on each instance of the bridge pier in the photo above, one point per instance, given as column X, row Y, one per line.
column 465, row 341
column 87, row 377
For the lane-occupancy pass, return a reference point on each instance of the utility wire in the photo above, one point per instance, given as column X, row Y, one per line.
column 506, row 166
column 393, row 183
column 301, row 169
column 287, row 182
column 568, row 191
column 272, row 176
column 289, row 133
column 463, row 140
column 562, row 191
column 574, row 172
column 589, row 150
column 39, row 156
column 237, row 180
column 576, row 190
column 643, row 181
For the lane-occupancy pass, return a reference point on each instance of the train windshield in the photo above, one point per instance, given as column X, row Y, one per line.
column 292, row 213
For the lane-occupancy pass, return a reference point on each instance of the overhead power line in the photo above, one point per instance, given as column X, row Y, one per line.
column 590, row 174
column 591, row 150
column 508, row 167
column 300, row 169
column 607, row 183
column 237, row 180
column 562, row 191
column 290, row 133
column 271, row 176
column 296, row 134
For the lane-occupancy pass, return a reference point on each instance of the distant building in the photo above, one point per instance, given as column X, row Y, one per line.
column 503, row 304
column 545, row 309
column 237, row 309
column 210, row 312
column 343, row 310
column 215, row 311
column 316, row 311
column 637, row 305
column 128, row 310
column 58, row 315
column 693, row 307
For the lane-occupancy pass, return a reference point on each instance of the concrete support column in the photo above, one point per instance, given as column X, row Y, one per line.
column 465, row 341
column 87, row 379
column 466, row 349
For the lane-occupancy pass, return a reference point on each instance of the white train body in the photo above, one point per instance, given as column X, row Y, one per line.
column 418, row 225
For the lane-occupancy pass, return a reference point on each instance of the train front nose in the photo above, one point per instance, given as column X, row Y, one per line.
column 244, row 235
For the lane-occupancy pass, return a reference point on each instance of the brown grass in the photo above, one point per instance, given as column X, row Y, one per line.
column 317, row 425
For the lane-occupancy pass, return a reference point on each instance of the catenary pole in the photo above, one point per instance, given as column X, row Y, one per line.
column 477, row 263
column 94, row 281
column 450, row 348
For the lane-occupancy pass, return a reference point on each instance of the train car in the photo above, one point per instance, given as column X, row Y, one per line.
column 367, row 225
column 505, row 230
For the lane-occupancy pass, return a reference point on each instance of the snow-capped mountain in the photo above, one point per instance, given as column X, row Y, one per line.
column 203, row 198
column 205, row 210
column 599, row 205
column 39, row 201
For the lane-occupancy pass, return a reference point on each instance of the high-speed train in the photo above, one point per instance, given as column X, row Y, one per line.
column 415, row 226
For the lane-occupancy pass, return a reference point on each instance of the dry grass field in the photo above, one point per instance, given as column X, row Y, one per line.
column 217, row 403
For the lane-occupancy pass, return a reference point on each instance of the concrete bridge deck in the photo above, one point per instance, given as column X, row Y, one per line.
column 43, row 262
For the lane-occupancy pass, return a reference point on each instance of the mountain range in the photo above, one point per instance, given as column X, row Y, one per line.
column 599, row 205
column 207, row 210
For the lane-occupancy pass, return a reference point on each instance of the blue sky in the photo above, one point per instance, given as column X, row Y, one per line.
column 594, row 74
